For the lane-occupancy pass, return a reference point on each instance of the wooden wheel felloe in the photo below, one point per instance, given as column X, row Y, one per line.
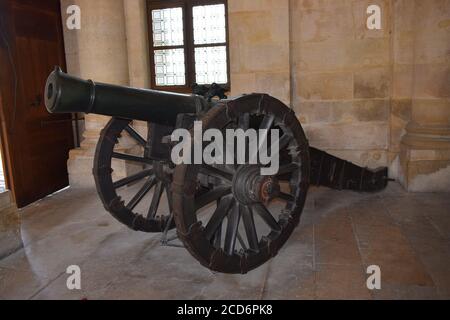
column 133, row 199
column 243, row 219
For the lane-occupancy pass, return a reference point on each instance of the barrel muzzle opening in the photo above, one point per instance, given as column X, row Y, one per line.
column 52, row 91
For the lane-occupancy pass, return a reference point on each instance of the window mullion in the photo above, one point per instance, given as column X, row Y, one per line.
column 208, row 45
column 169, row 47
column 190, row 61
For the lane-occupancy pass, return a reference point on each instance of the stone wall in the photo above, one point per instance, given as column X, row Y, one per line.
column 363, row 95
column 368, row 96
column 342, row 78
column 259, row 47
column 318, row 57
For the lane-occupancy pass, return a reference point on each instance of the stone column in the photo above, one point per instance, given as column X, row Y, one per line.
column 138, row 51
column 425, row 149
column 137, row 43
column 98, row 51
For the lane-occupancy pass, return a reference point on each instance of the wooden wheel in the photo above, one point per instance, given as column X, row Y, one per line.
column 136, row 198
column 244, row 218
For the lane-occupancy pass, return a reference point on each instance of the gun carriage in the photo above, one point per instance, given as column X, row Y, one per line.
column 229, row 217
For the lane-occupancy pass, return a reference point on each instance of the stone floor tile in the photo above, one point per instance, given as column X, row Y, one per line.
column 387, row 247
column 401, row 292
column 435, row 256
column 370, row 212
column 18, row 284
column 393, row 190
column 438, row 211
column 54, row 253
column 341, row 282
column 291, row 273
column 335, row 242
column 59, row 210
column 297, row 284
column 236, row 287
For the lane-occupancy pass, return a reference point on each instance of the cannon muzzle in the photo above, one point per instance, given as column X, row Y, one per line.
column 68, row 94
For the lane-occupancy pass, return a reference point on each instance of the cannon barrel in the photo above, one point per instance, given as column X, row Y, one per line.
column 68, row 94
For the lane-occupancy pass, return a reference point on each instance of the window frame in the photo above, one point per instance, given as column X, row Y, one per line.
column 189, row 46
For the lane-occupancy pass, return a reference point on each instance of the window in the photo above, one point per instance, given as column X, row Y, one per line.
column 188, row 43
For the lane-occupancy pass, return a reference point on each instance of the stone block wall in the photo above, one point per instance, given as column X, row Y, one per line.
column 319, row 57
column 355, row 90
column 342, row 78
column 369, row 96
column 259, row 47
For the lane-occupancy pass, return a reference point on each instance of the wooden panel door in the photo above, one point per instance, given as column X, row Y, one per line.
column 36, row 143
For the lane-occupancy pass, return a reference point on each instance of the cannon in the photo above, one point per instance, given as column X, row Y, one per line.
column 229, row 216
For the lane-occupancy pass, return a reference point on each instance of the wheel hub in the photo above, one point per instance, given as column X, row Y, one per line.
column 250, row 187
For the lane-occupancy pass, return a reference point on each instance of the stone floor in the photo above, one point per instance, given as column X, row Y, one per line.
column 407, row 235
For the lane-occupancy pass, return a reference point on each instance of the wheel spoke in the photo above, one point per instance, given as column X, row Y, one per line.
column 212, row 196
column 215, row 172
column 265, row 126
column 244, row 121
column 169, row 196
column 127, row 157
column 244, row 124
column 289, row 168
column 155, row 200
column 284, row 141
column 242, row 242
column 136, row 136
column 218, row 216
column 228, row 168
column 218, row 236
column 286, row 197
column 136, row 177
column 250, row 229
column 141, row 194
column 267, row 123
column 234, row 218
column 262, row 211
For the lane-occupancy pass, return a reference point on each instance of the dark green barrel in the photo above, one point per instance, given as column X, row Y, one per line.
column 68, row 94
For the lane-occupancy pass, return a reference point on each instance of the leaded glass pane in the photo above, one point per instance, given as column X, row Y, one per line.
column 211, row 65
column 169, row 67
column 209, row 24
column 168, row 27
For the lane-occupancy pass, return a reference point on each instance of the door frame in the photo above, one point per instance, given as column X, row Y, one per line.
column 7, row 92
column 4, row 150
column 6, row 22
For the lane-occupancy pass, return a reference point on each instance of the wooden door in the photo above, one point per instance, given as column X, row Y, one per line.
column 35, row 144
